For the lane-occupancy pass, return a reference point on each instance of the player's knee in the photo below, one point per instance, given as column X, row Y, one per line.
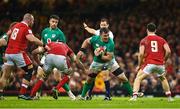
column 117, row 72
column 28, row 72
column 3, row 82
column 40, row 73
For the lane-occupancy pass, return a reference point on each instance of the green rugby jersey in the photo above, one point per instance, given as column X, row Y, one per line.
column 97, row 42
column 52, row 35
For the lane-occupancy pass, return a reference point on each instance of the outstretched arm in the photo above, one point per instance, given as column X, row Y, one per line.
column 34, row 39
column 88, row 29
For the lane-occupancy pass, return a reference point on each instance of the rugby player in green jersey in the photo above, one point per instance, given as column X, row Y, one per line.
column 103, row 47
column 52, row 34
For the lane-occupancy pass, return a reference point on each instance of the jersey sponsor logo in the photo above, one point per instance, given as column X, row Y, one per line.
column 97, row 45
column 53, row 35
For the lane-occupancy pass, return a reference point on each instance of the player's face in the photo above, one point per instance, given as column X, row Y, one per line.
column 104, row 24
column 53, row 23
column 105, row 37
column 31, row 21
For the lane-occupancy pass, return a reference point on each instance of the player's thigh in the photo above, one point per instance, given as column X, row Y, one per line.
column 95, row 67
column 48, row 65
column 141, row 75
column 105, row 75
column 140, row 72
column 160, row 70
column 20, row 59
column 61, row 64
column 6, row 69
column 149, row 68
column 57, row 74
column 114, row 65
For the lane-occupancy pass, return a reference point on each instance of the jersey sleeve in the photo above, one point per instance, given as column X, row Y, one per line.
column 93, row 39
column 28, row 31
column 62, row 37
column 142, row 42
column 164, row 41
column 111, row 47
column 70, row 52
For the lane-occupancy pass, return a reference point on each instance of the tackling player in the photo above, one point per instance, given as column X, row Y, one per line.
column 52, row 34
column 57, row 53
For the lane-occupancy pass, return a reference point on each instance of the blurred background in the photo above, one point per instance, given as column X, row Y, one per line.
column 128, row 20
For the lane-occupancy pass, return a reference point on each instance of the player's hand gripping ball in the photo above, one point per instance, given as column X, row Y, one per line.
column 98, row 51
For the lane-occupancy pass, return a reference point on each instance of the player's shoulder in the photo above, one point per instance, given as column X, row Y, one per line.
column 159, row 38
column 95, row 37
column 46, row 29
column 144, row 39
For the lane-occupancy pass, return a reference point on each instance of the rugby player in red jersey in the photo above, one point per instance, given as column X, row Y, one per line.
column 153, row 54
column 57, row 57
column 16, row 55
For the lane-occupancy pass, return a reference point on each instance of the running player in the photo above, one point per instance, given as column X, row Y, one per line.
column 16, row 54
column 103, row 47
column 153, row 54
column 3, row 44
column 104, row 23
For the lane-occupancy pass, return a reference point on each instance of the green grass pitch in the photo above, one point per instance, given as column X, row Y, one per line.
column 96, row 102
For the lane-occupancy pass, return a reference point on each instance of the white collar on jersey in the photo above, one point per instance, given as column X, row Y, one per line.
column 24, row 23
column 152, row 34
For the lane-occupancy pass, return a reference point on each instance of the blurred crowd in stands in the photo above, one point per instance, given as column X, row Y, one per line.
column 128, row 19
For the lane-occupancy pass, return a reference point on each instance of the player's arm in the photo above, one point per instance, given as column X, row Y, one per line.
column 88, row 29
column 83, row 48
column 86, row 43
column 77, row 61
column 62, row 37
column 38, row 50
column 3, row 40
column 167, row 51
column 32, row 38
column 107, row 56
column 141, row 55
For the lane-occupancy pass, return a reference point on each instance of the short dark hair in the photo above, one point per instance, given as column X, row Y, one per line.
column 104, row 30
column 54, row 17
column 151, row 27
column 104, row 20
